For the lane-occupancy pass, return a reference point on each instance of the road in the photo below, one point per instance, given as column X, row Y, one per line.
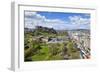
column 84, row 52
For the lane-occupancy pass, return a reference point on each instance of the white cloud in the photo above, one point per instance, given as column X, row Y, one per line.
column 29, row 13
column 33, row 19
column 78, row 20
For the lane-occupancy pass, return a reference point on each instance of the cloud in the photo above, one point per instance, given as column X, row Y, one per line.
column 30, row 13
column 78, row 20
column 33, row 19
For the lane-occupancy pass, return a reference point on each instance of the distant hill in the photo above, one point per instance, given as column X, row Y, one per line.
column 82, row 30
column 28, row 30
column 39, row 30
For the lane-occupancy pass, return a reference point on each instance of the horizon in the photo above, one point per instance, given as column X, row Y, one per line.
column 59, row 29
column 57, row 20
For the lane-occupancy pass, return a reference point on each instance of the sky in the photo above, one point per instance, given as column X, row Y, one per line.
column 57, row 20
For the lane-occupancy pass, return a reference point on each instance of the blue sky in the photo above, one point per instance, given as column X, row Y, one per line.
column 62, row 16
column 57, row 20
